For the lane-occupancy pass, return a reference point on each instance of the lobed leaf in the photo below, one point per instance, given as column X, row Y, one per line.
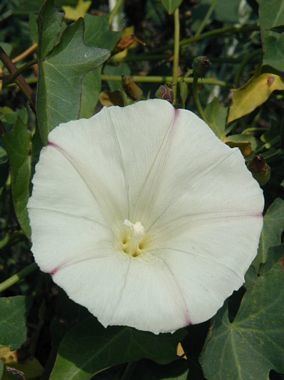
column 96, row 34
column 252, row 345
column 60, row 78
column 50, row 28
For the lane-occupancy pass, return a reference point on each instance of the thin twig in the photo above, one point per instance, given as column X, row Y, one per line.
column 11, row 78
column 20, row 80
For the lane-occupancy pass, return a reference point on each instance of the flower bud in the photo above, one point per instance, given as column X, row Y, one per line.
column 200, row 66
column 165, row 92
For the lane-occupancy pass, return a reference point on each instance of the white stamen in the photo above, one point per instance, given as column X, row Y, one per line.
column 136, row 228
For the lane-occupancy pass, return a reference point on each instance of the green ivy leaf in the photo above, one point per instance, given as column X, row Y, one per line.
column 12, row 321
column 271, row 20
column 97, row 34
column 18, row 144
column 1, row 369
column 60, row 78
column 273, row 226
column 89, row 347
column 50, row 28
column 252, row 345
column 171, row 5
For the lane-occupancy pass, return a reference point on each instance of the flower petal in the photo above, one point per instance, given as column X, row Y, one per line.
column 66, row 220
column 142, row 132
column 140, row 293
column 203, row 177
column 209, row 260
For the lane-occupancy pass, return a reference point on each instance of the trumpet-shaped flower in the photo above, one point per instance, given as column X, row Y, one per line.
column 143, row 216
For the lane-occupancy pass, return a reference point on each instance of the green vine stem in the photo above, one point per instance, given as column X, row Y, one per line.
column 176, row 54
column 165, row 79
column 18, row 277
column 217, row 32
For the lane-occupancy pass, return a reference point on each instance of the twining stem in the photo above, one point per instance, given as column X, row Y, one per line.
column 220, row 31
column 197, row 100
column 206, row 19
column 18, row 277
column 11, row 78
column 176, row 54
column 20, row 80
column 165, row 79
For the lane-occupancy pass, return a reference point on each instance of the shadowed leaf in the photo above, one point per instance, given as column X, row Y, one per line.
column 12, row 321
column 89, row 347
column 18, row 144
column 252, row 345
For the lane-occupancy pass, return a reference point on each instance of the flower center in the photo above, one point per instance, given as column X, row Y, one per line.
column 133, row 239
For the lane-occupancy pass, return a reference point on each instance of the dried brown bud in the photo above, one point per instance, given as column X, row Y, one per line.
column 260, row 169
column 165, row 92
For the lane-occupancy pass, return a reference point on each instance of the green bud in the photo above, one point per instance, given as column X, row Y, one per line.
column 200, row 66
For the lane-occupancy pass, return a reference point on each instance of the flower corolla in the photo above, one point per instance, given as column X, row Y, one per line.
column 142, row 215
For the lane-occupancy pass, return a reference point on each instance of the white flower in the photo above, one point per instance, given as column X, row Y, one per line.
column 143, row 216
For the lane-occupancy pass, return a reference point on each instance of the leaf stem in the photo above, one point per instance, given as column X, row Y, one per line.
column 18, row 277
column 163, row 79
column 176, row 54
